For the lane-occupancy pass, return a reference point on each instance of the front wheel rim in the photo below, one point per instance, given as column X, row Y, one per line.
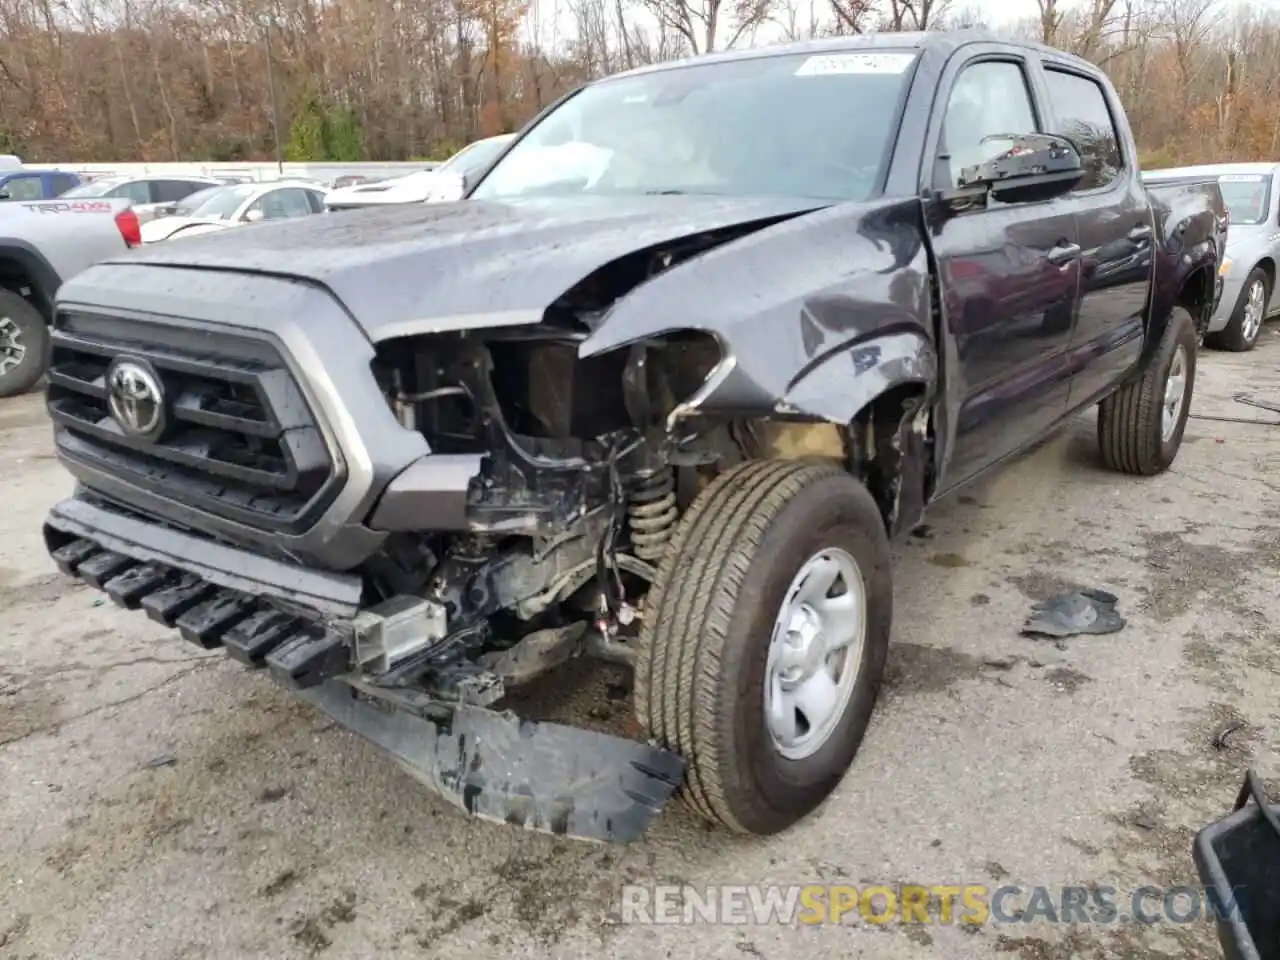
column 12, row 350
column 1175, row 394
column 815, row 653
column 1253, row 307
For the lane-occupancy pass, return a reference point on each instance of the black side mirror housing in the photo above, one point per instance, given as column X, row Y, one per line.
column 1034, row 167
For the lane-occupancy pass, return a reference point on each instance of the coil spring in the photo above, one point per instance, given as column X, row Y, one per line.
column 652, row 514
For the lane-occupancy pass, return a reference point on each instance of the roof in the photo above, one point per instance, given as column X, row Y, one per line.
column 1210, row 169
column 943, row 41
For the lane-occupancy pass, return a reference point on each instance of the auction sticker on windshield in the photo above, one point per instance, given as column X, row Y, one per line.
column 1240, row 178
column 830, row 63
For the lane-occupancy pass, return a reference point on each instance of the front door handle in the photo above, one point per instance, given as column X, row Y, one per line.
column 1140, row 233
column 1063, row 254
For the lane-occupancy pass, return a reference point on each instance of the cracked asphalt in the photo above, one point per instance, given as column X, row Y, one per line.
column 160, row 802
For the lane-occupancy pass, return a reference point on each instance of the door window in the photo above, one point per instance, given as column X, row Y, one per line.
column 283, row 204
column 989, row 99
column 137, row 191
column 171, row 191
column 1085, row 119
column 24, row 188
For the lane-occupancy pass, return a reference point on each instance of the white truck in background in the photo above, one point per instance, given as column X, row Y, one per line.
column 42, row 245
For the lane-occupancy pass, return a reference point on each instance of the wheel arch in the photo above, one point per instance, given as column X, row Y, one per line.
column 1268, row 265
column 22, row 265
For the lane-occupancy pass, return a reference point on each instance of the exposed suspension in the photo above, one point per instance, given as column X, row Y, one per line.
column 652, row 513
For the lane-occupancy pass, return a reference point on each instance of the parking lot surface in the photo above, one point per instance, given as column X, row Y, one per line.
column 161, row 802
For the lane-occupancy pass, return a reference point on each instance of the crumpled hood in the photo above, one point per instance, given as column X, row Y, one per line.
column 463, row 265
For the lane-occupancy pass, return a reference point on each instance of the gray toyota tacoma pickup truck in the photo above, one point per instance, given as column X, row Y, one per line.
column 43, row 244
column 660, row 390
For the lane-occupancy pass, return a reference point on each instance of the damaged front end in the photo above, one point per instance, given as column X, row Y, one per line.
column 528, row 534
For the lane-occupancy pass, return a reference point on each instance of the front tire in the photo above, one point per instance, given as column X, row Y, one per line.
column 1241, row 332
column 24, row 344
column 1140, row 426
column 739, row 633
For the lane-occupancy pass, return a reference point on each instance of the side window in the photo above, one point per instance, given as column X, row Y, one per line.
column 137, row 191
column 25, row 188
column 316, row 199
column 171, row 191
column 285, row 203
column 62, row 183
column 989, row 98
column 1083, row 116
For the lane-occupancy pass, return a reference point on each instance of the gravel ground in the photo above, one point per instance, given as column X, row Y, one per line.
column 160, row 802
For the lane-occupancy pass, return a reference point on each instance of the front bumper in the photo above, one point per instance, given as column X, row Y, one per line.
column 297, row 622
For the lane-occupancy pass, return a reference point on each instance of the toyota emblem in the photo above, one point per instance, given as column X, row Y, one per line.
column 136, row 398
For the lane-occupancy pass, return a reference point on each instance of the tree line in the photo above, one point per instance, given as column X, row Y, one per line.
column 131, row 80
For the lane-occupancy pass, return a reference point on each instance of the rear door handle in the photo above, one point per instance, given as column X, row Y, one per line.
column 1064, row 253
column 1140, row 233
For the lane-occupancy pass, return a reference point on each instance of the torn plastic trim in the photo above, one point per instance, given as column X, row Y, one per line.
column 542, row 776
column 832, row 391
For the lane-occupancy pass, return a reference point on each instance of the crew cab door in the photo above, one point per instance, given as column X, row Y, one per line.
column 1116, row 226
column 1008, row 273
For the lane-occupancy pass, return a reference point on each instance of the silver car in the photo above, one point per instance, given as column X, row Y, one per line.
column 1252, row 192
column 148, row 194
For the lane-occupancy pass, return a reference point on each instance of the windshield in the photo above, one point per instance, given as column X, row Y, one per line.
column 812, row 126
column 95, row 188
column 185, row 207
column 1248, row 195
column 473, row 156
column 223, row 202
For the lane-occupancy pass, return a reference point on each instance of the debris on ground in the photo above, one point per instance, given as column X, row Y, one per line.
column 1220, row 738
column 1085, row 611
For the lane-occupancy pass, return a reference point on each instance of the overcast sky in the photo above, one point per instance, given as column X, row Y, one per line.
column 994, row 12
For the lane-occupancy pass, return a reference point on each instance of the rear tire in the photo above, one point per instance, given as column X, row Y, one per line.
column 1140, row 426
column 1241, row 332
column 714, row 663
column 24, row 344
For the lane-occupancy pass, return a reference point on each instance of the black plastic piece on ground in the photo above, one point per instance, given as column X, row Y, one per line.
column 128, row 588
column 541, row 776
column 71, row 555
column 250, row 640
column 1238, row 859
column 167, row 605
column 308, row 660
column 101, row 567
column 206, row 622
column 1086, row 611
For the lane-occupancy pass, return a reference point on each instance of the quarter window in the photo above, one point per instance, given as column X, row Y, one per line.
column 1084, row 118
column 989, row 99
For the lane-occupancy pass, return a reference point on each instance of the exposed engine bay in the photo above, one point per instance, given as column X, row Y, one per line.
column 584, row 480
column 589, row 464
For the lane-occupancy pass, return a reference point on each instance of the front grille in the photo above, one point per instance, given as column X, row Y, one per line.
column 241, row 443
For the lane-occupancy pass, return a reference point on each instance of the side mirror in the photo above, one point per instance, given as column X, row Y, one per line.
column 1033, row 167
column 253, row 216
column 4, row 194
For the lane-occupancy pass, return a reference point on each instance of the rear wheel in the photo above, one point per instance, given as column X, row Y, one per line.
column 764, row 640
column 1241, row 332
column 24, row 344
column 1140, row 426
